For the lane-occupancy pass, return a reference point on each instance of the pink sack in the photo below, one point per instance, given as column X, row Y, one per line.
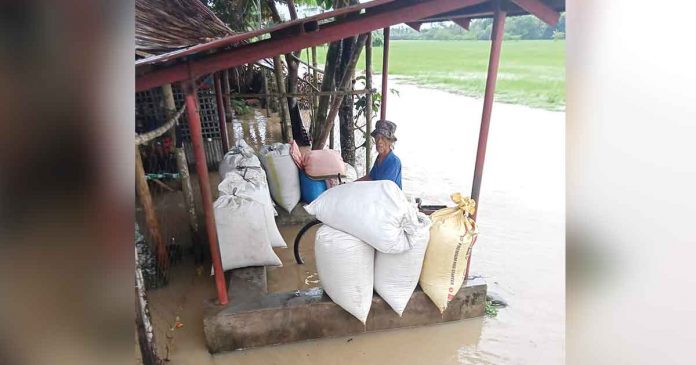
column 296, row 154
column 323, row 164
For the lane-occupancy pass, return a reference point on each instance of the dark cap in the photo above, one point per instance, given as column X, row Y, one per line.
column 386, row 129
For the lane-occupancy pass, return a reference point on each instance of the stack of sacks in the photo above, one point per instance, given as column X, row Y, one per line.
column 240, row 159
column 283, row 174
column 362, row 219
column 452, row 235
column 237, row 158
column 242, row 227
column 252, row 184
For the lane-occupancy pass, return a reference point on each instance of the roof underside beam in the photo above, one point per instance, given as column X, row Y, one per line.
column 539, row 9
column 415, row 25
column 462, row 22
column 486, row 10
column 374, row 18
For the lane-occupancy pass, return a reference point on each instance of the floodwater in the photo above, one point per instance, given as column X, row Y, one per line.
column 520, row 251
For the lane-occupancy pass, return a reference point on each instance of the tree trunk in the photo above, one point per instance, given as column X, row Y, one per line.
column 342, row 85
column 293, row 108
column 327, row 84
column 345, row 113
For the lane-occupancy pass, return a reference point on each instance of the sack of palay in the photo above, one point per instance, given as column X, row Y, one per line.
column 452, row 234
column 376, row 212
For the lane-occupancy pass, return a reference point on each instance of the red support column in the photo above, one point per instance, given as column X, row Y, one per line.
column 385, row 74
column 496, row 43
column 221, row 113
column 194, row 122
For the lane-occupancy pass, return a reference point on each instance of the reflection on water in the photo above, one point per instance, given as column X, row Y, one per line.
column 256, row 128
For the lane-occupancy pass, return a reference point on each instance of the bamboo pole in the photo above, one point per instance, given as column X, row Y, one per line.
column 321, row 93
column 315, row 79
column 284, row 112
column 181, row 164
column 170, row 107
column 143, row 191
column 264, row 72
column 385, row 74
column 368, row 103
column 222, row 121
column 227, row 90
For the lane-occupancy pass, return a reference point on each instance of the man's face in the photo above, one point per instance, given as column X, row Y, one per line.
column 382, row 144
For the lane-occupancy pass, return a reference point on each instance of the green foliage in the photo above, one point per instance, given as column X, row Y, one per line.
column 558, row 35
column 240, row 107
column 239, row 15
column 491, row 311
column 377, row 39
column 516, row 27
column 326, row 4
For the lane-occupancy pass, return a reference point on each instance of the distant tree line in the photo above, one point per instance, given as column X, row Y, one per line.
column 519, row 27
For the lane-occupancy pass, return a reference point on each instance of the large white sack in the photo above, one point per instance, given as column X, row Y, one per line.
column 452, row 234
column 253, row 185
column 345, row 266
column 242, row 234
column 396, row 275
column 283, row 175
column 376, row 212
column 237, row 158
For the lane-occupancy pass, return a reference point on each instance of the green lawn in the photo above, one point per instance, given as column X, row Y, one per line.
column 530, row 73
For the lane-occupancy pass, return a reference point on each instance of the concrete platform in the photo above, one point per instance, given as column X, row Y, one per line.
column 298, row 216
column 254, row 318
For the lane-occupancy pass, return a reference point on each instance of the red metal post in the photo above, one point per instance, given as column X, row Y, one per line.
column 194, row 122
column 496, row 43
column 221, row 114
column 385, row 74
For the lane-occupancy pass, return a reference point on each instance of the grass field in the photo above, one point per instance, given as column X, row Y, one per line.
column 531, row 72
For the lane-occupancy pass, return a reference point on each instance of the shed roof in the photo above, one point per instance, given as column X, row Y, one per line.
column 326, row 27
column 163, row 26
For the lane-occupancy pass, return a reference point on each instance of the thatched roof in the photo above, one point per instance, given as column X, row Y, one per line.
column 166, row 25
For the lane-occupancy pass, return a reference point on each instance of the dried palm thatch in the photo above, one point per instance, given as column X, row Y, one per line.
column 166, row 25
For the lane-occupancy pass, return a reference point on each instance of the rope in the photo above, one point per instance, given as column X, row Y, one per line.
column 149, row 136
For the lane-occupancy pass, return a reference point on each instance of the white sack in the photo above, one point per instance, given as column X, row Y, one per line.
column 238, row 157
column 242, row 234
column 283, row 175
column 252, row 184
column 345, row 267
column 396, row 275
column 376, row 212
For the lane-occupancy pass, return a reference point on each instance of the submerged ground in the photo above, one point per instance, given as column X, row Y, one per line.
column 520, row 251
column 532, row 72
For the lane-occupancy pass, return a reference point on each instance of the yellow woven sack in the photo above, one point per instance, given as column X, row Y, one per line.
column 452, row 234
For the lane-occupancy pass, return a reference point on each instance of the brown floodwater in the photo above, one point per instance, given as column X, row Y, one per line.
column 520, row 251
